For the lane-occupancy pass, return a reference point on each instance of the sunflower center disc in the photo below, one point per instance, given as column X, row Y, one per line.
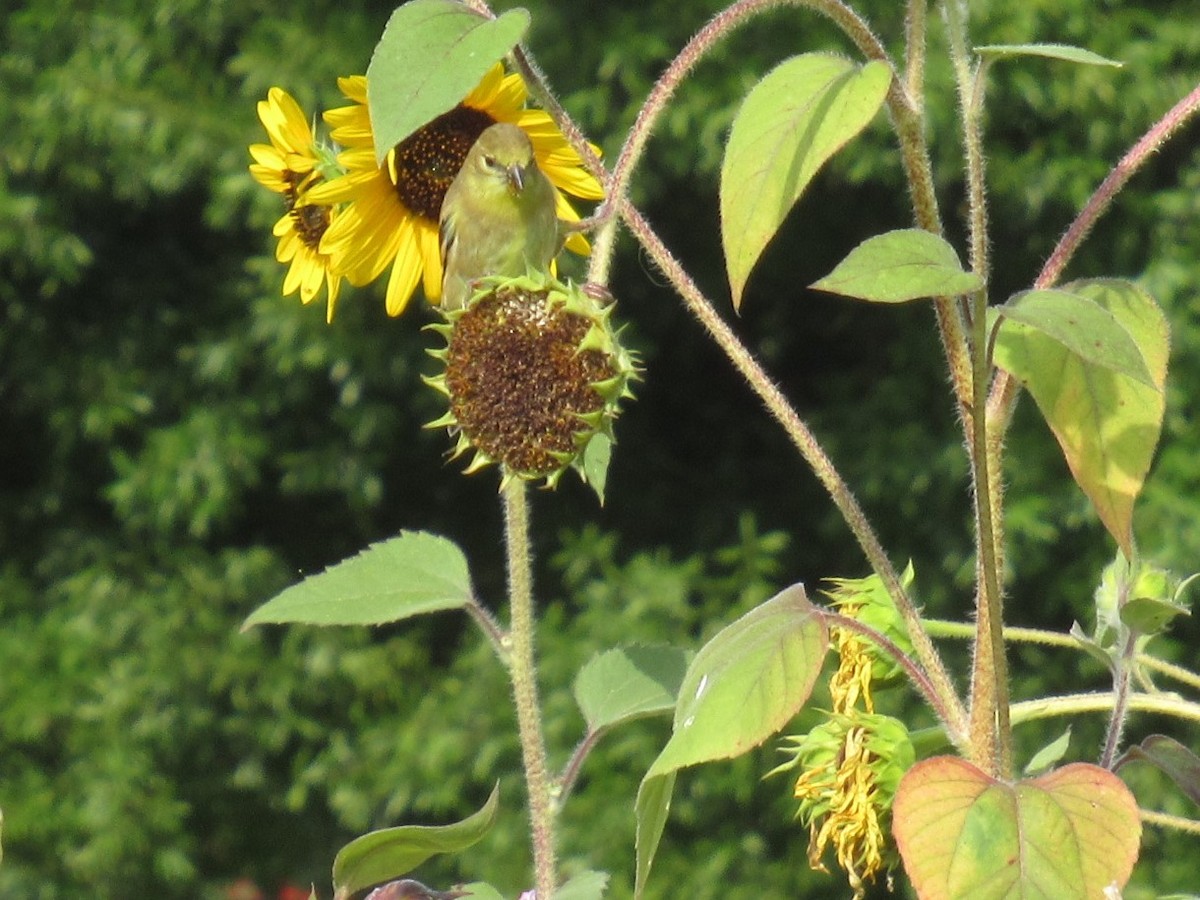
column 424, row 164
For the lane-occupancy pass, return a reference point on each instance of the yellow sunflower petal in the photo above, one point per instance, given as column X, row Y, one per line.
column 510, row 96
column 485, row 92
column 341, row 189
column 334, row 287
column 431, row 256
column 575, row 242
column 354, row 87
column 406, row 271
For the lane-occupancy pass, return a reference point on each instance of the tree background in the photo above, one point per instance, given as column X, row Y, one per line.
column 178, row 443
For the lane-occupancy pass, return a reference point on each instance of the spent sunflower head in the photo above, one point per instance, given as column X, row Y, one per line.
column 291, row 165
column 533, row 372
column 391, row 211
column 851, row 766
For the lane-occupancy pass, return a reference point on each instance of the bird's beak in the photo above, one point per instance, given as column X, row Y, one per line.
column 516, row 178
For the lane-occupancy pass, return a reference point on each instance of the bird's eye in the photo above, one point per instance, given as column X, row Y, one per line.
column 489, row 162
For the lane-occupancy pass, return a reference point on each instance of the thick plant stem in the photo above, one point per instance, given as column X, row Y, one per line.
column 991, row 731
column 523, row 674
column 777, row 404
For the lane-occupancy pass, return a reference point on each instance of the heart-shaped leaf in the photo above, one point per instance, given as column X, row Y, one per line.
column 431, row 55
column 900, row 266
column 411, row 574
column 1106, row 422
column 1068, row 834
column 392, row 852
column 628, row 683
column 804, row 111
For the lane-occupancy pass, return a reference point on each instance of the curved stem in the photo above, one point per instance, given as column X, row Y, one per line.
column 915, row 673
column 1004, row 390
column 1072, row 704
column 566, row 781
column 523, row 673
column 1165, row 820
column 804, row 441
column 490, row 627
column 941, row 628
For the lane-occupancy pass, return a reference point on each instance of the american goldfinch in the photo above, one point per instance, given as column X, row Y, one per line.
column 498, row 215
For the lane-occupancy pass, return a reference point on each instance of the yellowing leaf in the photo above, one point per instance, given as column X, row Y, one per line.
column 804, row 111
column 1107, row 423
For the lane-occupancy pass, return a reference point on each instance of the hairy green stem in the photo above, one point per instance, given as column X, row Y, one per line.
column 914, row 53
column 523, row 672
column 1073, row 704
column 1165, row 820
column 941, row 628
column 991, row 732
column 1122, row 674
column 812, row 452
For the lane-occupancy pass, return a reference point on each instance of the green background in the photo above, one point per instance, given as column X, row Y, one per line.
column 178, row 443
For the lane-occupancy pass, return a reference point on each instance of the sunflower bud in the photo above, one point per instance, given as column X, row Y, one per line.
column 534, row 372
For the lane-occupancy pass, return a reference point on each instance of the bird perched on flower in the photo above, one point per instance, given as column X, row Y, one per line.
column 498, row 216
column 408, row 889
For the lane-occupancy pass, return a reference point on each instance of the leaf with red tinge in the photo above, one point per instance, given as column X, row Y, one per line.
column 1065, row 835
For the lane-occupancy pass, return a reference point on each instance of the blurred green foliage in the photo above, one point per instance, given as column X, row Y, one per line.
column 178, row 442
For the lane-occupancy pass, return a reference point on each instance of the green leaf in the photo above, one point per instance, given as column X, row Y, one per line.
column 392, row 852
column 1048, row 757
column 1064, row 52
column 900, row 266
column 747, row 682
column 481, row 891
column 408, row 575
column 1149, row 615
column 1068, row 834
column 432, row 54
column 584, row 886
column 1172, row 758
column 1081, row 325
column 653, row 804
column 804, row 111
column 628, row 683
column 743, row 686
column 594, row 465
column 1106, row 423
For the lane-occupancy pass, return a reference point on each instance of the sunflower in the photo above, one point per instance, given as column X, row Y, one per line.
column 391, row 211
column 290, row 166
